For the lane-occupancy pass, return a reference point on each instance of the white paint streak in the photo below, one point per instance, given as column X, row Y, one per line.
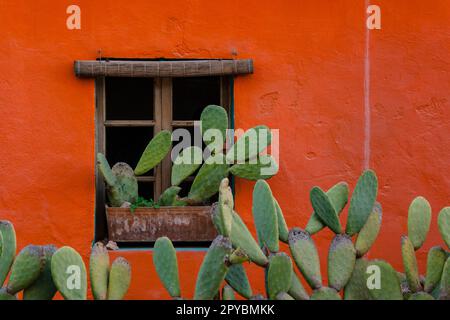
column 367, row 118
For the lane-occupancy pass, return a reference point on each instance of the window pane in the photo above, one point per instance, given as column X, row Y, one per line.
column 126, row 144
column 191, row 95
column 146, row 190
column 129, row 98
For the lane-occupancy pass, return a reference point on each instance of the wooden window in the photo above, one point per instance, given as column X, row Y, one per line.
column 130, row 110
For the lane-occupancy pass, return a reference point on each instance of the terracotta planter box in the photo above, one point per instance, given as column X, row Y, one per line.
column 191, row 224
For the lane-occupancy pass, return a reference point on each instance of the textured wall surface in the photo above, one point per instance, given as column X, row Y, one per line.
column 337, row 104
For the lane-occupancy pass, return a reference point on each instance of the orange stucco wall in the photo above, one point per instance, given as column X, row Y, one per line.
column 310, row 68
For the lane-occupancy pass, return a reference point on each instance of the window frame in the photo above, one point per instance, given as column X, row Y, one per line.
column 162, row 104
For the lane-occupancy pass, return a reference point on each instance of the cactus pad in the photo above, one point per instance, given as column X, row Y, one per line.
column 445, row 281
column 186, row 163
column 99, row 271
column 410, row 265
column 265, row 216
column 166, row 265
column 69, row 274
column 213, row 269
column 126, row 188
column 338, row 195
column 444, row 224
column 341, row 261
column 283, row 231
column 26, row 268
column 105, row 170
column 237, row 278
column 297, row 291
column 369, row 232
column 435, row 264
column 43, row 288
column 389, row 282
column 256, row 171
column 119, row 279
column 242, row 238
column 214, row 117
column 250, row 144
column 8, row 248
column 207, row 181
column 169, row 196
column 154, row 153
column 421, row 296
column 284, row 296
column 228, row 293
column 225, row 207
column 362, row 202
column 419, row 220
column 325, row 293
column 324, row 209
column 306, row 257
column 279, row 274
column 356, row 288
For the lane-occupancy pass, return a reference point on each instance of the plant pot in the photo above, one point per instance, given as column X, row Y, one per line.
column 188, row 224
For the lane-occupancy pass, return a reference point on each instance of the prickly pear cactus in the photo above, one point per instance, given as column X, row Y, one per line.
column 99, row 271
column 445, row 281
column 341, row 261
column 105, row 170
column 369, row 232
column 242, row 238
column 338, row 196
column 250, row 144
column 8, row 253
column 169, row 196
column 324, row 209
column 297, row 291
column 228, row 293
column 435, row 265
column 186, row 163
column 419, row 220
column 279, row 274
column 43, row 288
column 356, row 288
column 225, row 207
column 383, row 282
column 237, row 278
column 207, row 181
column 444, row 224
column 154, row 153
column 410, row 265
column 283, row 231
column 69, row 274
column 166, row 265
column 214, row 118
column 119, row 279
column 258, row 169
column 362, row 202
column 306, row 257
column 265, row 216
column 213, row 269
column 325, row 293
column 26, row 268
column 284, row 296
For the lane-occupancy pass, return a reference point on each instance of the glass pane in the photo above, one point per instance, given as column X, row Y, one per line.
column 126, row 144
column 146, row 189
column 129, row 98
column 191, row 95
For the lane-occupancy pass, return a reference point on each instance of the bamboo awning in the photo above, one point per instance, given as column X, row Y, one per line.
column 173, row 68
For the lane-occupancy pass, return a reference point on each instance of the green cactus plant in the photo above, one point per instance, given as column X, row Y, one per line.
column 279, row 274
column 99, row 271
column 362, row 202
column 341, row 261
column 324, row 209
column 250, row 144
column 119, row 279
column 419, row 220
column 186, row 163
column 253, row 170
column 444, row 225
column 166, row 265
column 43, row 288
column 435, row 265
column 369, row 232
column 156, row 150
column 8, row 253
column 69, row 274
column 213, row 269
column 228, row 293
column 214, row 117
column 121, row 184
column 265, row 216
column 283, row 230
column 236, row 277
